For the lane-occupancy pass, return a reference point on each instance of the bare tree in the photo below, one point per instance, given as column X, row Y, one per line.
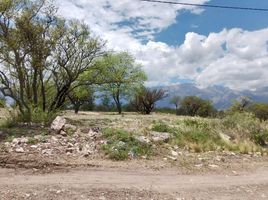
column 144, row 102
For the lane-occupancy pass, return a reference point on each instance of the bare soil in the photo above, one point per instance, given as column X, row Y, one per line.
column 108, row 183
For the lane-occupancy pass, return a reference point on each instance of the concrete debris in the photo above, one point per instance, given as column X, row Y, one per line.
column 58, row 124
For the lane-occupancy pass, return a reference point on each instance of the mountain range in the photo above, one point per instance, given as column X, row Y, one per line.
column 222, row 97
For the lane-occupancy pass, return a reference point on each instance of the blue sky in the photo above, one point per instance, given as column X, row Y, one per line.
column 177, row 44
column 214, row 20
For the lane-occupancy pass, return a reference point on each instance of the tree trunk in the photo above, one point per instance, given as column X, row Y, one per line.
column 76, row 109
column 118, row 103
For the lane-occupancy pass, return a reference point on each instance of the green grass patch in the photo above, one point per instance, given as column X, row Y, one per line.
column 161, row 126
column 121, row 145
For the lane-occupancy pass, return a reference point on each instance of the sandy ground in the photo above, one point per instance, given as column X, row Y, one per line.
column 93, row 183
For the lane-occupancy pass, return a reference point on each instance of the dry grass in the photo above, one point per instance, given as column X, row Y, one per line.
column 189, row 133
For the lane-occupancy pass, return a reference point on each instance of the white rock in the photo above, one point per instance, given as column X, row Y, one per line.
column 24, row 140
column 47, row 151
column 172, row 158
column 213, row 166
column 174, row 153
column 15, row 141
column 34, row 146
column 160, row 136
column 53, row 138
column 199, row 165
column 7, row 144
column 58, row 123
column 19, row 150
column 142, row 139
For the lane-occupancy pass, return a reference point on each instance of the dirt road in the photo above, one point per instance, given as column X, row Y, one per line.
column 129, row 184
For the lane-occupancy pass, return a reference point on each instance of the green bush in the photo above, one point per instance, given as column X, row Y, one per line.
column 195, row 106
column 121, row 145
column 197, row 135
column 245, row 126
column 260, row 110
column 161, row 127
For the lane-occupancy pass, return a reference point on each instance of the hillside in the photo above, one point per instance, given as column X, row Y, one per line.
column 222, row 97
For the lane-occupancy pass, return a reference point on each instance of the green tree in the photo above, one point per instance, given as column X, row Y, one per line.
column 260, row 110
column 195, row 106
column 175, row 100
column 240, row 105
column 39, row 50
column 80, row 96
column 120, row 75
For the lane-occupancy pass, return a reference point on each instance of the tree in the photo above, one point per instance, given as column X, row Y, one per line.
column 120, row 75
column 195, row 106
column 80, row 96
column 175, row 100
column 39, row 51
column 145, row 100
column 260, row 110
column 241, row 104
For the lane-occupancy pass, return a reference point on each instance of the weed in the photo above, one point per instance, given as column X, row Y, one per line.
column 161, row 127
column 122, row 144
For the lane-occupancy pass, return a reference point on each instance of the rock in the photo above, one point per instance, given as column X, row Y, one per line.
column 34, row 146
column 91, row 133
column 53, row 138
column 172, row 158
column 47, row 152
column 19, row 150
column 143, row 139
column 58, row 124
column 213, row 166
column 24, row 140
column 174, row 153
column 160, row 136
column 63, row 133
column 176, row 147
column 69, row 145
column 7, row 144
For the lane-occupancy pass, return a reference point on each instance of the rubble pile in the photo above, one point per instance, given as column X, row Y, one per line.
column 66, row 139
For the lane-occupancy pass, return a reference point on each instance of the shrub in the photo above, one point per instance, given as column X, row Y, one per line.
column 161, row 127
column 245, row 126
column 195, row 106
column 260, row 110
column 121, row 144
column 145, row 100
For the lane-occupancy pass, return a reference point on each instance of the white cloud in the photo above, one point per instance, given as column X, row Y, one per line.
column 235, row 58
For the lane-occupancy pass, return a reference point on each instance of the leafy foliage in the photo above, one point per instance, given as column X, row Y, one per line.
column 120, row 76
column 195, row 106
column 260, row 110
column 81, row 96
column 40, row 52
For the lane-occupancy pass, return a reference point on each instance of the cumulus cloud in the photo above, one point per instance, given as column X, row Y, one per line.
column 235, row 58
